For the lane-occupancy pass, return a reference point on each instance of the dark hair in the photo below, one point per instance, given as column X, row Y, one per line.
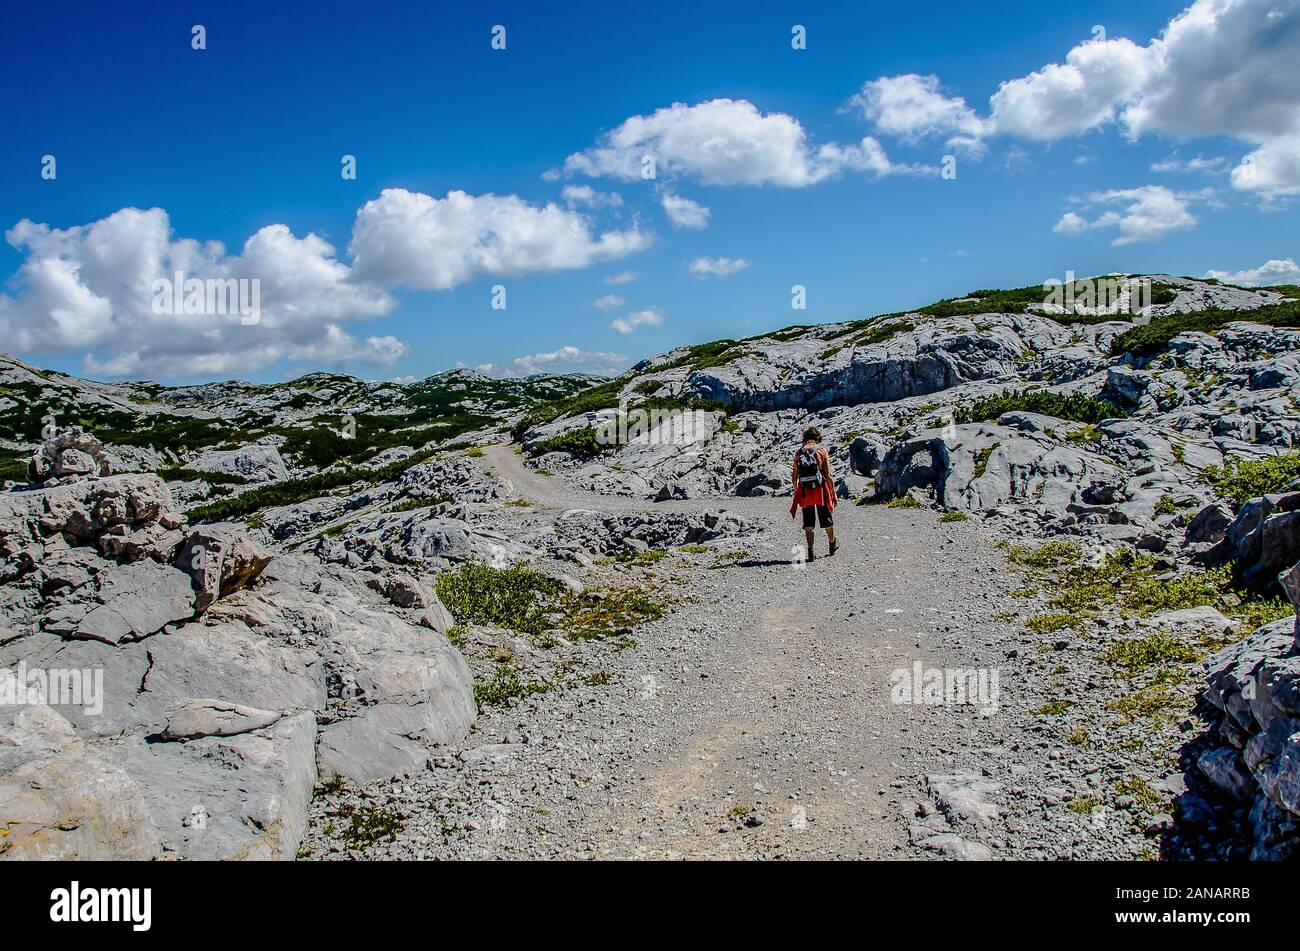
column 813, row 433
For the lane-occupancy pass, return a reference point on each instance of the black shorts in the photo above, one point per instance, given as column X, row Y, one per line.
column 812, row 514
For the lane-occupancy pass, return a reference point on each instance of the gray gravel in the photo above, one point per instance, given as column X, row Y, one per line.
column 755, row 719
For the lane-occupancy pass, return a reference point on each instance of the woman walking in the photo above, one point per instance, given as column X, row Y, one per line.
column 814, row 489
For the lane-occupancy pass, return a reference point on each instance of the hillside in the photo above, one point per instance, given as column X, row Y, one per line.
column 378, row 619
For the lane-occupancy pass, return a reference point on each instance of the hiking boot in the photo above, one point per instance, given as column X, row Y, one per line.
column 811, row 556
column 835, row 546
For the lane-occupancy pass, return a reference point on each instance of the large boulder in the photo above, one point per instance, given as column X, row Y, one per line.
column 254, row 463
column 1262, row 541
column 131, row 602
column 80, row 513
column 67, row 456
column 60, row 798
column 221, row 797
column 220, row 559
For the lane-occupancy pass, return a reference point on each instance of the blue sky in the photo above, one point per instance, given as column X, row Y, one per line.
column 1107, row 153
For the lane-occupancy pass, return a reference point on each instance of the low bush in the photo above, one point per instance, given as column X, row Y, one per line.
column 1154, row 337
column 1075, row 406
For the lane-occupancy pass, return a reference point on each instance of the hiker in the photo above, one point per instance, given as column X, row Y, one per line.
column 814, row 489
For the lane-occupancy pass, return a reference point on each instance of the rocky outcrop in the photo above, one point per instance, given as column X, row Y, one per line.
column 221, row 559
column 255, row 463
column 69, row 456
column 1262, row 541
column 200, row 680
column 59, row 797
column 592, row 532
column 1255, row 684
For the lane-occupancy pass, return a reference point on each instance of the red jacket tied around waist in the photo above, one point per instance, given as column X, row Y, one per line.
column 821, row 494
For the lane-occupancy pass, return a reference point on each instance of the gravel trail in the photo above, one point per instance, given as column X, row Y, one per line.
column 754, row 719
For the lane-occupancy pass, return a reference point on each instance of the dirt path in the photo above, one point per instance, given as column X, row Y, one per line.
column 755, row 719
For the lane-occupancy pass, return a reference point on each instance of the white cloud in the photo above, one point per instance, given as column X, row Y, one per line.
column 684, row 213
column 1197, row 165
column 622, row 277
column 912, row 107
column 90, row 288
column 428, row 243
column 608, row 302
column 1270, row 272
column 718, row 267
column 724, row 142
column 1273, row 169
column 1064, row 99
column 650, row 317
column 1219, row 68
column 1139, row 214
column 567, row 359
column 1071, row 223
column 574, row 195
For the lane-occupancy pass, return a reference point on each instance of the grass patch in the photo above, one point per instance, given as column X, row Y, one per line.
column 904, row 502
column 505, row 687
column 1158, row 649
column 513, row 598
column 1146, row 797
column 367, row 825
column 1240, row 480
column 1050, row 623
column 954, row 515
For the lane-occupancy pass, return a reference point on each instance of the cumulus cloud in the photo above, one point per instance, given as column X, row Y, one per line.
column 912, row 107
column 724, row 142
column 650, row 317
column 1274, row 271
column 92, row 288
column 608, row 302
column 1197, row 165
column 717, row 267
column 622, row 277
column 682, row 212
column 574, row 195
column 1218, row 68
column 428, row 243
column 1064, row 99
column 1138, row 214
column 568, row 359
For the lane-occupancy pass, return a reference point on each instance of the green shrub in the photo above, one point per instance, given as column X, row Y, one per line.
column 584, row 443
column 514, row 598
column 904, row 502
column 286, row 492
column 1154, row 337
column 1075, row 406
column 501, row 689
column 1240, row 480
column 13, row 469
column 954, row 515
column 213, row 478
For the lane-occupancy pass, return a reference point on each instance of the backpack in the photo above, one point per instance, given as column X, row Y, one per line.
column 810, row 467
